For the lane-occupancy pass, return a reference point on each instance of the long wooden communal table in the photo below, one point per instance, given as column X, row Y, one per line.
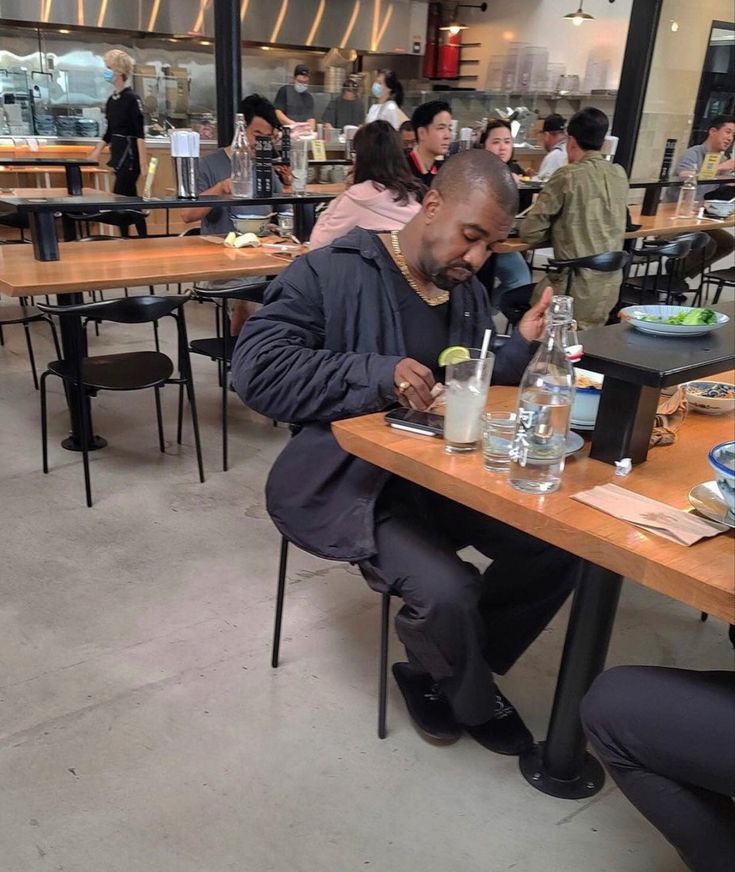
column 609, row 549
column 121, row 263
column 72, row 167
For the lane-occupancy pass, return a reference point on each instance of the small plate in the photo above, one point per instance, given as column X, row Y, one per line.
column 632, row 315
column 574, row 444
column 707, row 500
column 582, row 425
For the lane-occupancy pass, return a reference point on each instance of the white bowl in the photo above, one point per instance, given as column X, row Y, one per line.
column 633, row 315
column 251, row 223
column 698, row 400
column 586, row 396
column 722, row 461
column 720, row 208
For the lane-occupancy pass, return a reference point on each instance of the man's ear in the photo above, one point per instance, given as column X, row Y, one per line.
column 432, row 204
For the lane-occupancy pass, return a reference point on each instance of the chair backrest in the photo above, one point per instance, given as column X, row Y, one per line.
column 606, row 261
column 191, row 231
column 241, row 292
column 698, row 240
column 127, row 310
column 677, row 248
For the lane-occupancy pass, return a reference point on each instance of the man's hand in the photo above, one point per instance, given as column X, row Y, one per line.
column 413, row 382
column 224, row 188
column 533, row 324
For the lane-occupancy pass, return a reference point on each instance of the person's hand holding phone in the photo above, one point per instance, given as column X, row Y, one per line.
column 413, row 382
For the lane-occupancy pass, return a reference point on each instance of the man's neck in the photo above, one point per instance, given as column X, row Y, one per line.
column 409, row 243
column 710, row 145
column 425, row 157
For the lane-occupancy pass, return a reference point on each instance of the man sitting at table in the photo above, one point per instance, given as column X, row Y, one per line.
column 432, row 124
column 582, row 211
column 215, row 171
column 719, row 138
column 357, row 327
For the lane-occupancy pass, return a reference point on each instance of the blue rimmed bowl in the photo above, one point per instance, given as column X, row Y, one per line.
column 722, row 461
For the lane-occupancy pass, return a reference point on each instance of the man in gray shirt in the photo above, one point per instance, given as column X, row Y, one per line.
column 345, row 109
column 294, row 103
column 719, row 139
column 215, row 171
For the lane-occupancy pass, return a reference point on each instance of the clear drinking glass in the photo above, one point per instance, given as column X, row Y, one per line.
column 497, row 437
column 467, row 385
column 299, row 164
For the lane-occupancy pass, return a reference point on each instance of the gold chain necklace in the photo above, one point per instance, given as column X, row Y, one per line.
column 406, row 273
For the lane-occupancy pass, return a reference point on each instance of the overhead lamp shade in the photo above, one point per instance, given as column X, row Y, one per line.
column 454, row 27
column 579, row 16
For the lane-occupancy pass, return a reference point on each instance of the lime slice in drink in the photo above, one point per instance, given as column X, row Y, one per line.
column 454, row 354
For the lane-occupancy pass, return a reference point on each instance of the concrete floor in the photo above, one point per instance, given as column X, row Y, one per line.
column 141, row 726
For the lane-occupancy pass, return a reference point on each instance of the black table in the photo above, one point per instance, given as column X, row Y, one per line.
column 41, row 210
column 636, row 366
column 72, row 165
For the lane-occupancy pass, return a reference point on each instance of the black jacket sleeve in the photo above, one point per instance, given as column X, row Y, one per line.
column 281, row 369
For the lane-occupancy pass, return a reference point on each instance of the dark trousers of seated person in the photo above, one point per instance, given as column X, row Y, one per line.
column 458, row 624
column 126, row 179
column 667, row 737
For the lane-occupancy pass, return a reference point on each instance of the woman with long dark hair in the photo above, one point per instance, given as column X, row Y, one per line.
column 383, row 195
column 388, row 92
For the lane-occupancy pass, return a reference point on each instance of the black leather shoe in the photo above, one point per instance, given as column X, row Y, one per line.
column 428, row 707
column 505, row 732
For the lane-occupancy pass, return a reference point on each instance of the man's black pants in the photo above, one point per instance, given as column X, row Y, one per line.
column 667, row 737
column 458, row 624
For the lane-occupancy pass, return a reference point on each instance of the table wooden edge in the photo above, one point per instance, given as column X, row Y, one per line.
column 603, row 552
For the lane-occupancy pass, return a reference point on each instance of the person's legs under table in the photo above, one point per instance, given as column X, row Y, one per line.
column 667, row 737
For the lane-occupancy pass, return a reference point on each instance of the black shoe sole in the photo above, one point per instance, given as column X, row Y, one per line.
column 431, row 721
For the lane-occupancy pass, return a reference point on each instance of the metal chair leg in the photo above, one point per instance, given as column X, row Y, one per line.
column 280, row 593
column 383, row 677
column 44, row 422
column 27, row 331
column 85, row 447
column 180, row 421
column 159, row 419
column 195, row 423
column 55, row 336
column 224, row 381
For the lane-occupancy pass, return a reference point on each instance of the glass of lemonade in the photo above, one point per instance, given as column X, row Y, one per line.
column 467, row 384
column 497, row 438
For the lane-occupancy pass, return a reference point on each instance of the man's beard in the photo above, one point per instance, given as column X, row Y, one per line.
column 444, row 279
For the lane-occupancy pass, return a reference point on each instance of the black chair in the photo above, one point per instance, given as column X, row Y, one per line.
column 606, row 261
column 720, row 278
column 26, row 315
column 220, row 347
column 130, row 371
column 17, row 220
column 384, row 627
column 122, row 218
column 664, row 284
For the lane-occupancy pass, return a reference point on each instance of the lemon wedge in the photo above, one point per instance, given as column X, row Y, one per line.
column 454, row 354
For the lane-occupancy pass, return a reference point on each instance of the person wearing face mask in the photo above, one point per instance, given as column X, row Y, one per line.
column 388, row 93
column 508, row 271
column 125, row 135
column 294, row 104
column 345, row 109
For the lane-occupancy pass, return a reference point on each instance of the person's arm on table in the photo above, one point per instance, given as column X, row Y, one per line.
column 536, row 226
column 223, row 188
column 280, row 369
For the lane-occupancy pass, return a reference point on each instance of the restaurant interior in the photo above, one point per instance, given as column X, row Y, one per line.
column 187, row 682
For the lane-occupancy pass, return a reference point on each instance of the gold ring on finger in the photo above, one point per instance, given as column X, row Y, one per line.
column 403, row 387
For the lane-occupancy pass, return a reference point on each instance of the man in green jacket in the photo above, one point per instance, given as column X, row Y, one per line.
column 582, row 211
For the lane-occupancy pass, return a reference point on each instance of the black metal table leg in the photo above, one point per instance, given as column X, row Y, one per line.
column 651, row 199
column 74, row 180
column 74, row 342
column 43, row 235
column 624, row 422
column 561, row 766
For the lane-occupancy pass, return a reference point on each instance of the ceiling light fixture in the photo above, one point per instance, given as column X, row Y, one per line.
column 579, row 16
column 454, row 27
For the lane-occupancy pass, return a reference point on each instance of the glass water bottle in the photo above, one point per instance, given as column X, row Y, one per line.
column 242, row 168
column 687, row 205
column 545, row 401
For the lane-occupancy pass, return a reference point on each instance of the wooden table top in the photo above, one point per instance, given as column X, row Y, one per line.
column 663, row 223
column 701, row 576
column 128, row 263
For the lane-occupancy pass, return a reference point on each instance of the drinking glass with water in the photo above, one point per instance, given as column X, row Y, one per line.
column 467, row 384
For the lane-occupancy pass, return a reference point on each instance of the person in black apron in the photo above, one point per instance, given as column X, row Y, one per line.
column 125, row 135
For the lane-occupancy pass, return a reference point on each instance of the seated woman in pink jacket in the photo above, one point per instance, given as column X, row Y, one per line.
column 384, row 194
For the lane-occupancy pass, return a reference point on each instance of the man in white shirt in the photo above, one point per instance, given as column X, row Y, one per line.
column 554, row 141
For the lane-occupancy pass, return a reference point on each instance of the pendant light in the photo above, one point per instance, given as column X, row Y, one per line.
column 579, row 16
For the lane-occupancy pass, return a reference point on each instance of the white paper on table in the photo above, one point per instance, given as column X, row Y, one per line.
column 651, row 515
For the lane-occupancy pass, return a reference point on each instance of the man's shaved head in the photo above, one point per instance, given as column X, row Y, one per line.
column 478, row 169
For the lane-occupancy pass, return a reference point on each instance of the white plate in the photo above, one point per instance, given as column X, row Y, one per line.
column 631, row 315
column 707, row 500
column 574, row 444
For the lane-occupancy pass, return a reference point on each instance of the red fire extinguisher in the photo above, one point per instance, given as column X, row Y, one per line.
column 449, row 52
column 433, row 23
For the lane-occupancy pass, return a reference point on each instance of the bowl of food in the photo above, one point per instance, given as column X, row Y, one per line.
column 673, row 321
column 711, row 397
column 257, row 224
column 720, row 208
column 588, row 387
column 722, row 461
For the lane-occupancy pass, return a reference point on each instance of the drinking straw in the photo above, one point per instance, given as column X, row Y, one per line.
column 485, row 344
